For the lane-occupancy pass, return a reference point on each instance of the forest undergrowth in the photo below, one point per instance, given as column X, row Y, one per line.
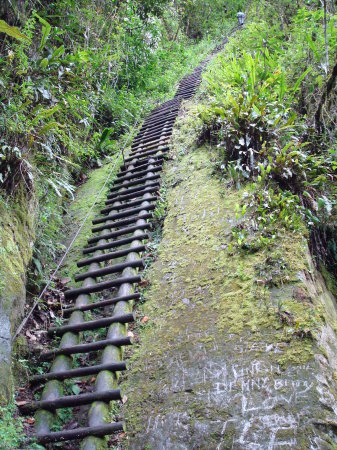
column 75, row 78
column 269, row 103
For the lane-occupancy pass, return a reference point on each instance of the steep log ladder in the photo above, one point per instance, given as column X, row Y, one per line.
column 120, row 235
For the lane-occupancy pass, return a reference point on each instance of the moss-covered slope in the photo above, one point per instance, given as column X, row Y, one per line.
column 17, row 233
column 228, row 360
column 88, row 201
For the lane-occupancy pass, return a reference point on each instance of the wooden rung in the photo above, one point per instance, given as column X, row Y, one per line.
column 139, row 174
column 142, row 155
column 157, row 135
column 139, row 168
column 120, row 242
column 80, row 372
column 116, row 195
column 72, row 400
column 128, row 205
column 121, row 215
column 114, row 268
column 173, row 104
column 120, row 223
column 139, row 193
column 99, row 287
column 86, row 348
column 102, row 303
column 120, row 232
column 159, row 121
column 79, row 433
column 144, row 160
column 92, row 324
column 149, row 147
column 150, row 131
column 136, row 182
column 161, row 118
column 111, row 255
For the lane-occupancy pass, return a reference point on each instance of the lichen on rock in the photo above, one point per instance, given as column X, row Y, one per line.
column 225, row 360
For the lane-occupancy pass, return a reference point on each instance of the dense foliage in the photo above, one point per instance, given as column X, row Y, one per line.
column 75, row 78
column 262, row 109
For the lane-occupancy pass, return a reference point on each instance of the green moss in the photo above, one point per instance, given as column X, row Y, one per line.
column 16, row 241
column 187, row 128
column 95, row 443
column 330, row 280
column 43, row 417
column 11, row 430
column 20, row 358
column 203, row 299
column 298, row 351
column 301, row 317
column 17, row 233
column 229, row 279
column 79, row 208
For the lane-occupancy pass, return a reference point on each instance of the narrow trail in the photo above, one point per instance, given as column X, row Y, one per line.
column 110, row 272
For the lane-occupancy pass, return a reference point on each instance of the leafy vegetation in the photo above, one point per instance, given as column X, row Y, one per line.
column 11, row 430
column 76, row 77
column 262, row 109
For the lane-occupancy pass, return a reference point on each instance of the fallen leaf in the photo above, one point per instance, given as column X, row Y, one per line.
column 144, row 283
column 31, row 420
column 76, row 389
column 65, row 280
column 31, row 336
column 145, row 319
column 130, row 334
column 21, row 402
column 124, row 399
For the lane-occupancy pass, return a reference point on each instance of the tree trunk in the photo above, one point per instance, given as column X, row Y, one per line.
column 326, row 92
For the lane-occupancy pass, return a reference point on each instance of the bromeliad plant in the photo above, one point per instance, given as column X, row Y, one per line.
column 250, row 115
column 254, row 114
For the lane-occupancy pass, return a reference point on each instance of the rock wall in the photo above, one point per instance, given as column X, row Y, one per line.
column 17, row 233
column 240, row 348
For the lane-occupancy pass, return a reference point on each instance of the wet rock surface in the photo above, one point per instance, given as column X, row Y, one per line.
column 17, row 233
column 224, row 362
column 5, row 355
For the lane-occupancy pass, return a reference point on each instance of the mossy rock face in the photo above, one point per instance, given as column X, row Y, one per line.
column 218, row 365
column 17, row 233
